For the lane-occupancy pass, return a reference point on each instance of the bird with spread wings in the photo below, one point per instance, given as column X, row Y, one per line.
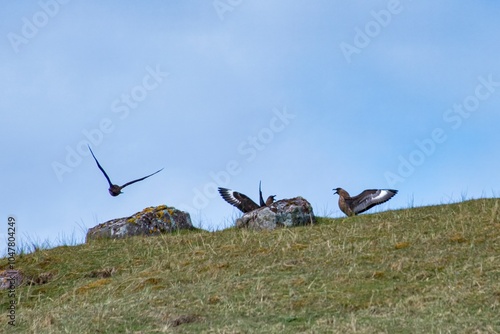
column 242, row 201
column 115, row 190
column 369, row 198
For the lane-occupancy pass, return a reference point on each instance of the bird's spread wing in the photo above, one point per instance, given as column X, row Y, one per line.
column 142, row 178
column 369, row 198
column 100, row 167
column 239, row 200
column 262, row 203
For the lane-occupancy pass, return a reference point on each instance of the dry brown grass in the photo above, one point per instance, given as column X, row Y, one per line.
column 421, row 270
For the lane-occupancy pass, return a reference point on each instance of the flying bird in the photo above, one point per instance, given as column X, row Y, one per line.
column 351, row 206
column 242, row 201
column 115, row 190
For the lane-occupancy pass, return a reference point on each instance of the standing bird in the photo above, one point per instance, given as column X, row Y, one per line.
column 269, row 201
column 351, row 206
column 242, row 201
column 115, row 190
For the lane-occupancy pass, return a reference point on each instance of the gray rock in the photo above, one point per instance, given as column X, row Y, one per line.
column 10, row 279
column 283, row 213
column 150, row 221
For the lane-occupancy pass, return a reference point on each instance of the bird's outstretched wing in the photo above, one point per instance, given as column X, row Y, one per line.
column 100, row 167
column 369, row 198
column 262, row 203
column 239, row 200
column 142, row 178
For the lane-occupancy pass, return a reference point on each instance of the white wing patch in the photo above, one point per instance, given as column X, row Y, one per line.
column 228, row 194
column 233, row 198
column 381, row 195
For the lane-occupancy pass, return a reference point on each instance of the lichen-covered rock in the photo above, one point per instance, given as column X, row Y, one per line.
column 150, row 221
column 10, row 279
column 283, row 213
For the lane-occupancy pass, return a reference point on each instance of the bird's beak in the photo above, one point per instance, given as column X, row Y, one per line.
column 336, row 191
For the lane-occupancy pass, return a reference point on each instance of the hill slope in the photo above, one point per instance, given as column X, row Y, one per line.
column 421, row 270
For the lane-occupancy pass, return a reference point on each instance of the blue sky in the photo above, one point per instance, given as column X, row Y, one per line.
column 305, row 96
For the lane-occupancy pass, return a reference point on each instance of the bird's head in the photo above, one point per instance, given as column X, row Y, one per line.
column 270, row 200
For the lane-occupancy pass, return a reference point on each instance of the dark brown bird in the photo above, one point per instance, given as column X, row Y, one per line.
column 115, row 190
column 269, row 201
column 242, row 201
column 366, row 200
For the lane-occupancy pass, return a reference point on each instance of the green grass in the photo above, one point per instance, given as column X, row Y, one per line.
column 421, row 270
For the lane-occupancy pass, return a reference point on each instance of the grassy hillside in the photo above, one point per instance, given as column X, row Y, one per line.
column 422, row 270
